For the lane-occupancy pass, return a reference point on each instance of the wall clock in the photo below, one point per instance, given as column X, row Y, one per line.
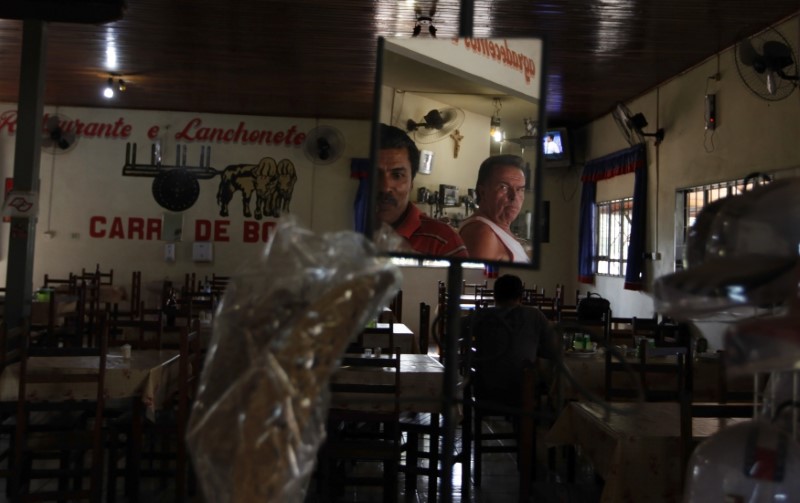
column 176, row 189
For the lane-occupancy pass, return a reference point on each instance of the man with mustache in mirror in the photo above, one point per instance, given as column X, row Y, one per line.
column 398, row 163
column 499, row 193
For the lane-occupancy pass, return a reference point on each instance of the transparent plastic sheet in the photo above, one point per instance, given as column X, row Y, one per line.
column 742, row 250
column 763, row 345
column 259, row 417
column 751, row 462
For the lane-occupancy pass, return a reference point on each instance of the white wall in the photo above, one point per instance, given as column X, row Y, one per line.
column 752, row 135
column 87, row 182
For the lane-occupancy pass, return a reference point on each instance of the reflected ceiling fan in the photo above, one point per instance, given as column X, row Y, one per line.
column 767, row 65
column 324, row 145
column 632, row 125
column 436, row 124
column 56, row 138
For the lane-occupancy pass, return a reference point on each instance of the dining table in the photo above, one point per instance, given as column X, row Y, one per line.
column 404, row 337
column 635, row 447
column 587, row 371
column 420, row 389
column 148, row 376
column 64, row 305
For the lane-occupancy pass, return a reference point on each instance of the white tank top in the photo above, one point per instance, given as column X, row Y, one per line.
column 517, row 250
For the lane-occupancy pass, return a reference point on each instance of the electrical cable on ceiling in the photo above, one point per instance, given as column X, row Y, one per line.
column 658, row 158
column 708, row 135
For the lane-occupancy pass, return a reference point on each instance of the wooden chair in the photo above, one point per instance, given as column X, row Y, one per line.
column 422, row 461
column 67, row 285
column 190, row 283
column 367, row 338
column 424, row 327
column 485, row 358
column 473, row 288
column 104, row 278
column 141, row 333
column 219, row 283
column 161, row 452
column 136, row 292
column 60, row 431
column 396, row 306
column 636, row 377
column 363, row 434
column 11, row 341
column 722, row 411
column 513, row 428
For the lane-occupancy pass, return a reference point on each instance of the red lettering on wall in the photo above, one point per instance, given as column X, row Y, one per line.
column 153, row 229
column 115, row 130
column 8, row 121
column 250, row 232
column 135, row 228
column 132, row 228
column 96, row 227
column 202, row 230
column 195, row 130
column 221, row 230
column 116, row 229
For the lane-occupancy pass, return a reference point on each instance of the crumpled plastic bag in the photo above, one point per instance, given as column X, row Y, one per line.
column 280, row 329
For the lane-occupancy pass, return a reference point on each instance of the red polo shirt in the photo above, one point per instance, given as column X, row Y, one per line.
column 429, row 236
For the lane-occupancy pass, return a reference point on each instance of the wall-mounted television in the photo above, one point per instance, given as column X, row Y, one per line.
column 556, row 148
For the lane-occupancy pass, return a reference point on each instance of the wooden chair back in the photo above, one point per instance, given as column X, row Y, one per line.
column 219, row 283
column 396, row 306
column 136, row 291
column 364, row 422
column 141, row 333
column 55, row 438
column 67, row 285
column 424, row 327
column 103, row 278
column 374, row 338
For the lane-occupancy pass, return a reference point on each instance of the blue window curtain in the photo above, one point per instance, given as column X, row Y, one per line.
column 631, row 160
column 359, row 169
column 586, row 264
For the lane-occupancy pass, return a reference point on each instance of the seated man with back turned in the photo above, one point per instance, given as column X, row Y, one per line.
column 505, row 336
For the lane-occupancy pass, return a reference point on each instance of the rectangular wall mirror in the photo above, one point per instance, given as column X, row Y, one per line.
column 445, row 97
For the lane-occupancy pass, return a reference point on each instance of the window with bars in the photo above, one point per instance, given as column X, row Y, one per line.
column 689, row 202
column 613, row 235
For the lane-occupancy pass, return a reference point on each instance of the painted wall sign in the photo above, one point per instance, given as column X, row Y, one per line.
column 192, row 130
column 151, row 229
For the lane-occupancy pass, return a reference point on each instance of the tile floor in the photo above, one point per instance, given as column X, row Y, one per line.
column 499, row 485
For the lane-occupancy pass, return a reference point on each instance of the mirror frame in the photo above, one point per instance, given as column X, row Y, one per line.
column 536, row 171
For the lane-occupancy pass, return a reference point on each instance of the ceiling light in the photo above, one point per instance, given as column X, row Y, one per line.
column 496, row 130
column 108, row 92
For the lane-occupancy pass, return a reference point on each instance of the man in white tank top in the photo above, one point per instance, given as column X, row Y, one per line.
column 500, row 192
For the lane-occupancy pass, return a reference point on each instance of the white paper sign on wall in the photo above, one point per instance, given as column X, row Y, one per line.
column 203, row 251
column 19, row 204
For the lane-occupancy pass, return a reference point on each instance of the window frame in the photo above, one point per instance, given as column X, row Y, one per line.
column 612, row 262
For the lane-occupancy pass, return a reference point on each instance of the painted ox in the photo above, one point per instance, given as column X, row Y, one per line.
column 273, row 184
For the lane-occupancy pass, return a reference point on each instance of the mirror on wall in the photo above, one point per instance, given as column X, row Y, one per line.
column 444, row 108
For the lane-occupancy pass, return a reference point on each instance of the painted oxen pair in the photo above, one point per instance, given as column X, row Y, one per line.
column 273, row 184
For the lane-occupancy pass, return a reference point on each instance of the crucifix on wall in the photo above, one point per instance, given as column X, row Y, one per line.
column 457, row 137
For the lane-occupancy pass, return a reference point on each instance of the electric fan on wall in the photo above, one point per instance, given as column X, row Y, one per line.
column 632, row 126
column 56, row 138
column 767, row 65
column 324, row 145
column 436, row 125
